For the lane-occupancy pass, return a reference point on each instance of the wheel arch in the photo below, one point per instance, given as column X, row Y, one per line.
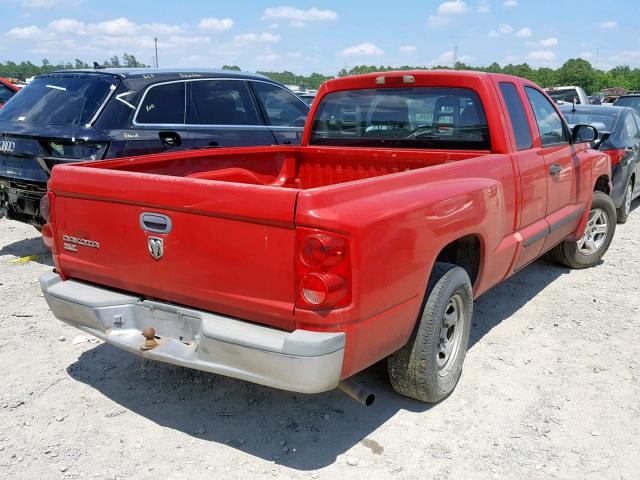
column 465, row 252
column 603, row 184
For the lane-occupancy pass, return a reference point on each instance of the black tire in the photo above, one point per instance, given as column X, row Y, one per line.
column 416, row 370
column 568, row 252
column 625, row 209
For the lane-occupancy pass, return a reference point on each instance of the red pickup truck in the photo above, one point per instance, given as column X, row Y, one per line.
column 297, row 266
column 7, row 90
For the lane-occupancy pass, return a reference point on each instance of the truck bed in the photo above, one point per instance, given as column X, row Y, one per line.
column 285, row 167
column 234, row 217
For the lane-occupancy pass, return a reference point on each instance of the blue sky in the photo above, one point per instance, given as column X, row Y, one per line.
column 322, row 36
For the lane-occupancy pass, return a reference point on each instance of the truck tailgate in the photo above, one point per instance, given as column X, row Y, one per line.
column 229, row 250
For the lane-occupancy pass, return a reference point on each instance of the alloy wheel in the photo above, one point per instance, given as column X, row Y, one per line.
column 627, row 199
column 595, row 232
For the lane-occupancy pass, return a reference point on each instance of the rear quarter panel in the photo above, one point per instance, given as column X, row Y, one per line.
column 398, row 225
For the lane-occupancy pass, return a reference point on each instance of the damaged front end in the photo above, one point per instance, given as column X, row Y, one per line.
column 20, row 200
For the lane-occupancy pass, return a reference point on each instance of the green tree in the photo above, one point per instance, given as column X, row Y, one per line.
column 577, row 71
column 130, row 61
column 231, row 67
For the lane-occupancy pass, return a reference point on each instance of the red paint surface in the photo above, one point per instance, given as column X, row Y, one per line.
column 239, row 214
column 9, row 85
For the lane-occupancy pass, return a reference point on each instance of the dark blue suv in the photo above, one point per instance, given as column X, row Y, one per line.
column 78, row 115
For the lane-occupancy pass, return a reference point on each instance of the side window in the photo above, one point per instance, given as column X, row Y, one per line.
column 550, row 124
column 5, row 93
column 517, row 116
column 282, row 107
column 163, row 104
column 630, row 127
column 220, row 102
column 636, row 117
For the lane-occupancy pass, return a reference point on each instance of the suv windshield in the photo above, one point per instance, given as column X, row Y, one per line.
column 58, row 99
column 418, row 117
column 564, row 95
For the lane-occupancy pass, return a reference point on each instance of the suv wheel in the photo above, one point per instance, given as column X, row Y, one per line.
column 625, row 209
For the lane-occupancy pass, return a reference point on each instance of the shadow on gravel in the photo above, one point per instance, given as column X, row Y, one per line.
column 304, row 432
column 33, row 246
column 508, row 297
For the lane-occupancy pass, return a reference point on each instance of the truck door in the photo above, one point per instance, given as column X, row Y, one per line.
column 532, row 225
column 563, row 169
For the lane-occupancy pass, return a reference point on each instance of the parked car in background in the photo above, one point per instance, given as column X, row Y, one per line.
column 7, row 90
column 77, row 115
column 596, row 98
column 619, row 137
column 411, row 194
column 308, row 97
column 568, row 94
column 631, row 99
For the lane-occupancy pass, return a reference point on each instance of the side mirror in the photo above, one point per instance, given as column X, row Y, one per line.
column 584, row 133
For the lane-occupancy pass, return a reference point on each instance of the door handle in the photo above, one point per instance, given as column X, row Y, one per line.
column 170, row 139
column 555, row 169
column 155, row 222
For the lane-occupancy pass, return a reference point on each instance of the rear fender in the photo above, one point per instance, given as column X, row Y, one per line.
column 396, row 235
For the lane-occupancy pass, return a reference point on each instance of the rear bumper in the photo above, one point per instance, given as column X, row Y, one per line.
column 301, row 361
column 20, row 200
column 620, row 178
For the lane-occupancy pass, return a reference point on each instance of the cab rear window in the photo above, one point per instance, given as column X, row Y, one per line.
column 408, row 117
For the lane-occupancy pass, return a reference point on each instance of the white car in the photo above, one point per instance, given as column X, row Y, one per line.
column 568, row 94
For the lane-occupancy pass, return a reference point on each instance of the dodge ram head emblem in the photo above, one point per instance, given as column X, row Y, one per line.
column 156, row 247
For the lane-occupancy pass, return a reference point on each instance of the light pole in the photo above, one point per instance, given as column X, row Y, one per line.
column 155, row 39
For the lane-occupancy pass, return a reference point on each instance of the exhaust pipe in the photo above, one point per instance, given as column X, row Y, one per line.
column 358, row 392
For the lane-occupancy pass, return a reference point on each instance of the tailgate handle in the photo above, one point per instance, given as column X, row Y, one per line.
column 155, row 222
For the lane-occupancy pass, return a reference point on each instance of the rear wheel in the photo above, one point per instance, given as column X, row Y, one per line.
column 625, row 209
column 599, row 231
column 429, row 366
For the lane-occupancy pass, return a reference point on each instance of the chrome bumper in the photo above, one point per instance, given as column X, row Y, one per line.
column 300, row 361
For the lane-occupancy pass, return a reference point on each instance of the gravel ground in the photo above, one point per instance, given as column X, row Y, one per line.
column 550, row 389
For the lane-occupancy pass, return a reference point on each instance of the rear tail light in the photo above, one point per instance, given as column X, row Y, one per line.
column 616, row 155
column 47, row 229
column 45, row 207
column 47, row 236
column 321, row 250
column 323, row 270
column 323, row 288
